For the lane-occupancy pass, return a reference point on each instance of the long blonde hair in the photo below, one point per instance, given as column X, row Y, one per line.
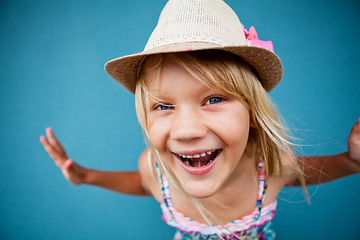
column 231, row 74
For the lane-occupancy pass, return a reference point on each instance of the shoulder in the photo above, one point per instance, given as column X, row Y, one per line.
column 286, row 178
column 149, row 177
column 290, row 168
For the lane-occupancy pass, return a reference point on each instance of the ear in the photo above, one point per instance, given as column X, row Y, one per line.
column 253, row 124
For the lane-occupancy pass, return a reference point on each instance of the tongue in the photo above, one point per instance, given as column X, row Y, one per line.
column 202, row 161
column 198, row 163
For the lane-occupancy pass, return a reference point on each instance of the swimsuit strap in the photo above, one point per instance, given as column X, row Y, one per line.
column 262, row 186
column 164, row 184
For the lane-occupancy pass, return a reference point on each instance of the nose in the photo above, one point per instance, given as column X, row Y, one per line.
column 187, row 125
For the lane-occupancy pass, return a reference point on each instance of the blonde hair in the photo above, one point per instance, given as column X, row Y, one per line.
column 231, row 74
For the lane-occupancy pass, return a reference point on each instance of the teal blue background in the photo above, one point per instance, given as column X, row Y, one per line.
column 51, row 74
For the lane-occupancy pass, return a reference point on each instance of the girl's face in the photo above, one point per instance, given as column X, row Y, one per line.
column 200, row 133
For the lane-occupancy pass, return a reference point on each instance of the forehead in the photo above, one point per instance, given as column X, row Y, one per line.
column 172, row 80
column 216, row 71
column 164, row 70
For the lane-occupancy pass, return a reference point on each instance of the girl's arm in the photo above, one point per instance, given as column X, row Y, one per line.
column 321, row 169
column 123, row 182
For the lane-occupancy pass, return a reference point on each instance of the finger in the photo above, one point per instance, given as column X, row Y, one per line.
column 52, row 139
column 354, row 137
column 356, row 126
column 43, row 140
column 54, row 142
column 58, row 158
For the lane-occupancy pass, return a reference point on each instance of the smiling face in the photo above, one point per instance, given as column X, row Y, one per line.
column 201, row 133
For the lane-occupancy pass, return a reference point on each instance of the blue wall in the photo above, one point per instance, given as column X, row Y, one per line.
column 51, row 74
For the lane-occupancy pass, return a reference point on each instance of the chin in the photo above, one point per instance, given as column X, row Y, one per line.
column 200, row 191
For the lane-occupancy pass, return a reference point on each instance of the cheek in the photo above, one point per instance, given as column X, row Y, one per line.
column 158, row 133
column 239, row 136
column 235, row 128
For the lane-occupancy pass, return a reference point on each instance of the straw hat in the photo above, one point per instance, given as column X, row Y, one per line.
column 192, row 25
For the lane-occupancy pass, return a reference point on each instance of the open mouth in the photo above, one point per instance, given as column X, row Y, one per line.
column 199, row 160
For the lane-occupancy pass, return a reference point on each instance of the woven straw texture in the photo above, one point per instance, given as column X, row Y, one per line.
column 191, row 25
column 199, row 21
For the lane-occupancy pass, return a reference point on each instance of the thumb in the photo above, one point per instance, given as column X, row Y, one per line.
column 66, row 168
column 67, row 165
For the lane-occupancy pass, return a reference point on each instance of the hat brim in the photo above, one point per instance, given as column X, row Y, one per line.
column 266, row 63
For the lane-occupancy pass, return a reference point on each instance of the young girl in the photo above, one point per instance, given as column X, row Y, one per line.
column 218, row 154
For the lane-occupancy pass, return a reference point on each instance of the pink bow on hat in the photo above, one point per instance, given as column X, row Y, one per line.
column 253, row 39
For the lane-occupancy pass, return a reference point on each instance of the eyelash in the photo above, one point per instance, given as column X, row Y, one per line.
column 164, row 107
column 218, row 100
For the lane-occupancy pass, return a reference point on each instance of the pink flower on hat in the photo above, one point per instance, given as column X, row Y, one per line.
column 253, row 39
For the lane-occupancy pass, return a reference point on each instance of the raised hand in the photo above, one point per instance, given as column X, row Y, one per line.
column 72, row 171
column 354, row 143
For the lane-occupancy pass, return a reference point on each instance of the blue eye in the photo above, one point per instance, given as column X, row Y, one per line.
column 214, row 100
column 164, row 107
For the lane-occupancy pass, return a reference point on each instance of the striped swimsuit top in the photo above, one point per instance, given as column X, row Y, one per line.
column 256, row 225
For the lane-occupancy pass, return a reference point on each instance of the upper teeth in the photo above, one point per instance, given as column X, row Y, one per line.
column 197, row 155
